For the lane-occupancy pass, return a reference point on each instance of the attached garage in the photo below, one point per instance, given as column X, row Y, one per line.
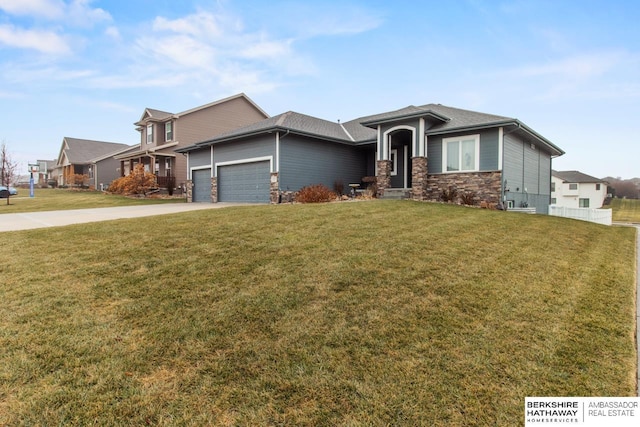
column 201, row 185
column 244, row 182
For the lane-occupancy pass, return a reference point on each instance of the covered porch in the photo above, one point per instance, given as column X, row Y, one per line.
column 162, row 165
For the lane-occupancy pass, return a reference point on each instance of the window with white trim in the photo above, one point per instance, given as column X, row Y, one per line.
column 461, row 153
column 149, row 134
column 583, row 203
column 168, row 131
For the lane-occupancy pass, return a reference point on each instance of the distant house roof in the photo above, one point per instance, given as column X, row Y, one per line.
column 151, row 114
column 575, row 177
column 362, row 130
column 83, row 151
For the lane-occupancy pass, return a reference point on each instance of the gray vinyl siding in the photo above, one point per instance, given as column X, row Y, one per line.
column 305, row 162
column 200, row 157
column 260, row 146
column 489, row 147
column 527, row 173
column 513, row 163
column 106, row 171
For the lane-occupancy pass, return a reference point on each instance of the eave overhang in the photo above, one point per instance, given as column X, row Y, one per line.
column 402, row 117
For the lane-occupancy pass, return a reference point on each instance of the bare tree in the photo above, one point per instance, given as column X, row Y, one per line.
column 8, row 169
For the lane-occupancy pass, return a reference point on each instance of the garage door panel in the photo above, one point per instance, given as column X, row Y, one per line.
column 201, row 185
column 244, row 182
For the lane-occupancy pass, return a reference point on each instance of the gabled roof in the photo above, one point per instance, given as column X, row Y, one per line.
column 442, row 119
column 575, row 177
column 82, row 151
column 157, row 115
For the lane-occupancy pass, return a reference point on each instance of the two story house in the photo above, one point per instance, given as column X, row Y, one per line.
column 573, row 189
column 162, row 132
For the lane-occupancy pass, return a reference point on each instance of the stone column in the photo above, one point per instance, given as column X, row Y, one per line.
column 189, row 191
column 274, row 189
column 419, row 178
column 383, row 179
column 214, row 190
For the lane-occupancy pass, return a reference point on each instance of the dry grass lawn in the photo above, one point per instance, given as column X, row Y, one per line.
column 373, row 313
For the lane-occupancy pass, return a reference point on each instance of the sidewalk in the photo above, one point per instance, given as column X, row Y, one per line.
column 31, row 220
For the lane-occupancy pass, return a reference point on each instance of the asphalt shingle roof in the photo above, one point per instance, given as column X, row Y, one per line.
column 446, row 119
column 82, row 151
column 575, row 176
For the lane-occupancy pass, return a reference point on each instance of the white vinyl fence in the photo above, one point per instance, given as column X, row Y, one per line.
column 600, row 216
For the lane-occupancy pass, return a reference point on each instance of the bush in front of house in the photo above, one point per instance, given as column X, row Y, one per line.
column 317, row 193
column 138, row 182
column 449, row 195
column 468, row 198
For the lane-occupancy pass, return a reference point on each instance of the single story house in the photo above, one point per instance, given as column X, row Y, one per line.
column 417, row 151
column 77, row 155
column 574, row 189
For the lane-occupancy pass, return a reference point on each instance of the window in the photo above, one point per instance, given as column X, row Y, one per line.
column 167, row 166
column 149, row 134
column 597, row 187
column 461, row 154
column 573, row 186
column 583, row 203
column 168, row 131
column 394, row 162
column 553, row 201
column 553, row 187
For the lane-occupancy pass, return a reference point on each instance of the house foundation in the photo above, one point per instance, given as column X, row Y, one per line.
column 486, row 186
column 383, row 178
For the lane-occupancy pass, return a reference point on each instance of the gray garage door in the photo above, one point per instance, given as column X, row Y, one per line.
column 246, row 182
column 201, row 185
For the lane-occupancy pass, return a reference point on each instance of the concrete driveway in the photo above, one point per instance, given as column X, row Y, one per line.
column 30, row 220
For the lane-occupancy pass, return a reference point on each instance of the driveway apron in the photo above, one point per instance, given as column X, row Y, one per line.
column 31, row 220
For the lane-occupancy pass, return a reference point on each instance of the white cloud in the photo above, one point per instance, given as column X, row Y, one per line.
column 113, row 33
column 42, row 41
column 51, row 9
column 80, row 13
column 75, row 12
column 582, row 66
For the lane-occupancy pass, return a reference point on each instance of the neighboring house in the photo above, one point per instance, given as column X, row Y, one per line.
column 162, row 132
column 76, row 157
column 45, row 172
column 107, row 168
column 573, row 189
column 418, row 151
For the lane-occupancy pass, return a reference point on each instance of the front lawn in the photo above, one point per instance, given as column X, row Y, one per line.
column 55, row 199
column 365, row 313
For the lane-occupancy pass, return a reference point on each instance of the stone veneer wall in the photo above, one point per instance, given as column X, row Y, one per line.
column 274, row 189
column 214, row 190
column 419, row 178
column 383, row 179
column 486, row 185
column 189, row 191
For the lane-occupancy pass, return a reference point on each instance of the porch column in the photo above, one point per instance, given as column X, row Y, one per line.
column 214, row 189
column 274, row 189
column 383, row 179
column 189, row 186
column 419, row 178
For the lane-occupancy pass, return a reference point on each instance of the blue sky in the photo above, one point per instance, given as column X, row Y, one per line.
column 88, row 69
